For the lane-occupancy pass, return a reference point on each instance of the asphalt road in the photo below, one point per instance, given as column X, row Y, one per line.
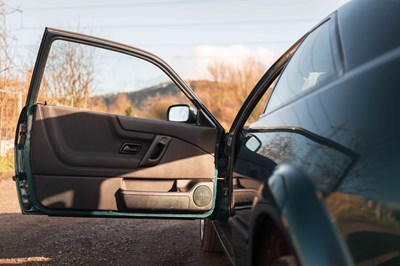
column 42, row 240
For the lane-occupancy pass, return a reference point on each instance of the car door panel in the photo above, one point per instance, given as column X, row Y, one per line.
column 199, row 138
column 83, row 143
column 77, row 161
column 76, row 138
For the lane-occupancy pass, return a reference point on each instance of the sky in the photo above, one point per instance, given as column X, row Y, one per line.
column 188, row 34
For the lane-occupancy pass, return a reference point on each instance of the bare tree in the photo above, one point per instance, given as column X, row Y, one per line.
column 229, row 87
column 69, row 75
column 10, row 87
column 5, row 49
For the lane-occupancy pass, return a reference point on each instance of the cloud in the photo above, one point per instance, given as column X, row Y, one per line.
column 234, row 55
column 202, row 56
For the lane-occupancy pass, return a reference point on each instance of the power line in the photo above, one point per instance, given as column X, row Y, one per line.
column 194, row 24
column 214, row 43
column 194, row 43
column 137, row 4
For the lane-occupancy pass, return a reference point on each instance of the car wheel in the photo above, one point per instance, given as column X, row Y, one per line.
column 208, row 237
column 285, row 261
column 269, row 246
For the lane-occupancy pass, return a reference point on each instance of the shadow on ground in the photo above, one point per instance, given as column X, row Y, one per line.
column 42, row 240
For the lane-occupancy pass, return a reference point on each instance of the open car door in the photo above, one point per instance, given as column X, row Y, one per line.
column 86, row 147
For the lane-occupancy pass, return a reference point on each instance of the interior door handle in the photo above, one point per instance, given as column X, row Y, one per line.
column 156, row 151
column 131, row 148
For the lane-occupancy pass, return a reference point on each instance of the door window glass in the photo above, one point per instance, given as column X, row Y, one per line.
column 311, row 65
column 95, row 79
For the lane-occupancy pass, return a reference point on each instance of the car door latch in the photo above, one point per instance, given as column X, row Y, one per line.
column 131, row 148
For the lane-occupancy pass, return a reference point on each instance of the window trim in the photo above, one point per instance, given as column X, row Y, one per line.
column 50, row 35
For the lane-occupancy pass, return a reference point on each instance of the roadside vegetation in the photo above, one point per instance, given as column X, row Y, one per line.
column 6, row 165
column 12, row 82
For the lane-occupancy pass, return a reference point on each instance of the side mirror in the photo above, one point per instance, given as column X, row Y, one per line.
column 181, row 113
column 253, row 143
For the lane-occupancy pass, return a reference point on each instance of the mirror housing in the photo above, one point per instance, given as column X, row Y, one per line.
column 253, row 143
column 182, row 113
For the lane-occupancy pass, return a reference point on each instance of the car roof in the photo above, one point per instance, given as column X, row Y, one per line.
column 368, row 29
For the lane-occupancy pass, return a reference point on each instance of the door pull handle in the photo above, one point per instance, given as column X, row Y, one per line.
column 131, row 148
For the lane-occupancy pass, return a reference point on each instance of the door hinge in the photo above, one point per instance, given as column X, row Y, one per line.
column 223, row 158
column 222, row 167
column 22, row 134
column 226, row 145
column 23, row 186
column 19, row 176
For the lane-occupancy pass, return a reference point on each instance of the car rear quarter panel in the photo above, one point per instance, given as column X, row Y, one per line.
column 360, row 112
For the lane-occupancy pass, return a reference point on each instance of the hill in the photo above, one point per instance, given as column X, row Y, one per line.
column 137, row 97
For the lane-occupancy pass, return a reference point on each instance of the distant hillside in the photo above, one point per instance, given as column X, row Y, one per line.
column 137, row 97
column 162, row 89
column 148, row 102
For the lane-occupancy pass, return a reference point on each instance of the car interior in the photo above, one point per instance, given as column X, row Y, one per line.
column 96, row 161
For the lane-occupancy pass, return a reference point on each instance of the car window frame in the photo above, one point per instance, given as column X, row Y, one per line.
column 55, row 55
column 231, row 144
column 233, row 138
column 51, row 34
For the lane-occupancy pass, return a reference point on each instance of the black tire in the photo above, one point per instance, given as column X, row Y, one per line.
column 285, row 261
column 208, row 237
